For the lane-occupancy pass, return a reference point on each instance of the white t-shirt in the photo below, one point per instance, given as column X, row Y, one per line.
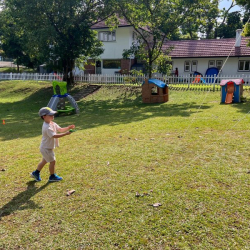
column 48, row 131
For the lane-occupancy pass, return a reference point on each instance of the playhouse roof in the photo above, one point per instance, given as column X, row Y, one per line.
column 158, row 83
column 236, row 81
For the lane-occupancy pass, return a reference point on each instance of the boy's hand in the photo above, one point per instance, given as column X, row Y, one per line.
column 71, row 126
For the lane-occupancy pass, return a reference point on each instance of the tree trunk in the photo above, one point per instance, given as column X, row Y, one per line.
column 67, row 73
column 150, row 68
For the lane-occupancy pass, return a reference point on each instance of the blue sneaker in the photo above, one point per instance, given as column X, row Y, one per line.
column 36, row 176
column 55, row 177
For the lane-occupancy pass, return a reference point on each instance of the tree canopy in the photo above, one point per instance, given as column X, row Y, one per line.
column 59, row 31
column 157, row 21
column 246, row 20
column 232, row 23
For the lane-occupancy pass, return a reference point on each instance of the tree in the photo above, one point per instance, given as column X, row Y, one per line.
column 246, row 19
column 244, row 3
column 155, row 21
column 59, row 31
column 230, row 25
column 13, row 42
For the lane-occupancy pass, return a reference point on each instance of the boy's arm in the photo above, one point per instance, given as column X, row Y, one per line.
column 61, row 135
column 62, row 130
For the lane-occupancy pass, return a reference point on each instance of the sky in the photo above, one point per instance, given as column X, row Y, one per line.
column 226, row 4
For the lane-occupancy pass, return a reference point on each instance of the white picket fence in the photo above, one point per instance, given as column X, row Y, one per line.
column 30, row 76
column 138, row 80
column 125, row 79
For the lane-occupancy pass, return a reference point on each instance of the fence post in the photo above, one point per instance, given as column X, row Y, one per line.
column 215, row 78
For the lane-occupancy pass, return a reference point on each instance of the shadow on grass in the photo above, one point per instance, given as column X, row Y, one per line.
column 22, row 200
column 244, row 106
column 125, row 110
column 22, row 120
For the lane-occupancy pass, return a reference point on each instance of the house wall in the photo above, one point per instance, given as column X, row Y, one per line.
column 114, row 49
column 230, row 67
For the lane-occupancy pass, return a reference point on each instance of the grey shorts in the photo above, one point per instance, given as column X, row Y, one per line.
column 48, row 154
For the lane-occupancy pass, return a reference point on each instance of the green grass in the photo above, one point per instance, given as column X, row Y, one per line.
column 14, row 70
column 190, row 154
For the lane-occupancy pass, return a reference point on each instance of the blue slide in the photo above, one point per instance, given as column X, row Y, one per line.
column 210, row 73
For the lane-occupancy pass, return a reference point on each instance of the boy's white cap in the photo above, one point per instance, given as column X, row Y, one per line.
column 46, row 111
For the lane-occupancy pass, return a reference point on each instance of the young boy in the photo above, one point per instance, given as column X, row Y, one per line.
column 49, row 142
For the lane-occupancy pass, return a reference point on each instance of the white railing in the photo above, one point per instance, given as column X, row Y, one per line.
column 137, row 80
column 125, row 79
column 110, row 79
column 30, row 76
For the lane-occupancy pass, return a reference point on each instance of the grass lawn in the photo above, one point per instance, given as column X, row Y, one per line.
column 189, row 157
column 14, row 70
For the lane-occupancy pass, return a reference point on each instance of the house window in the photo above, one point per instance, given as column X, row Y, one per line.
column 187, row 66
column 111, row 64
column 194, row 65
column 211, row 63
column 107, row 36
column 244, row 66
column 219, row 64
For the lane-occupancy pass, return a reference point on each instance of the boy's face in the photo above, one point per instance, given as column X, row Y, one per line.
column 48, row 118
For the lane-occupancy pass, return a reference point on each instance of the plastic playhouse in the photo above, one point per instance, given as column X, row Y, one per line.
column 231, row 90
column 57, row 101
column 154, row 91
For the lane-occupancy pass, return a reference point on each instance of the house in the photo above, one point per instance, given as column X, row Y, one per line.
column 230, row 55
column 114, row 42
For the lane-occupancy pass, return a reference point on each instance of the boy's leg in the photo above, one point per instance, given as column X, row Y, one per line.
column 52, row 167
column 41, row 164
column 36, row 174
column 53, row 176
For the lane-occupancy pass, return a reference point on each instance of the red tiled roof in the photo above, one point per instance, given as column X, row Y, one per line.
column 208, row 48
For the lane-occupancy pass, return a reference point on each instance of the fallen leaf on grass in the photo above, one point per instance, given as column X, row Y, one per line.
column 141, row 195
column 70, row 192
column 157, row 205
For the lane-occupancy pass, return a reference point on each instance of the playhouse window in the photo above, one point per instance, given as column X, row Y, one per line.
column 244, row 66
column 107, row 36
column 187, row 66
column 154, row 91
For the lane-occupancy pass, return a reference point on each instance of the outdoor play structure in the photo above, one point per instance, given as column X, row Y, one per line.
column 57, row 101
column 154, row 91
column 231, row 90
column 198, row 77
column 210, row 76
